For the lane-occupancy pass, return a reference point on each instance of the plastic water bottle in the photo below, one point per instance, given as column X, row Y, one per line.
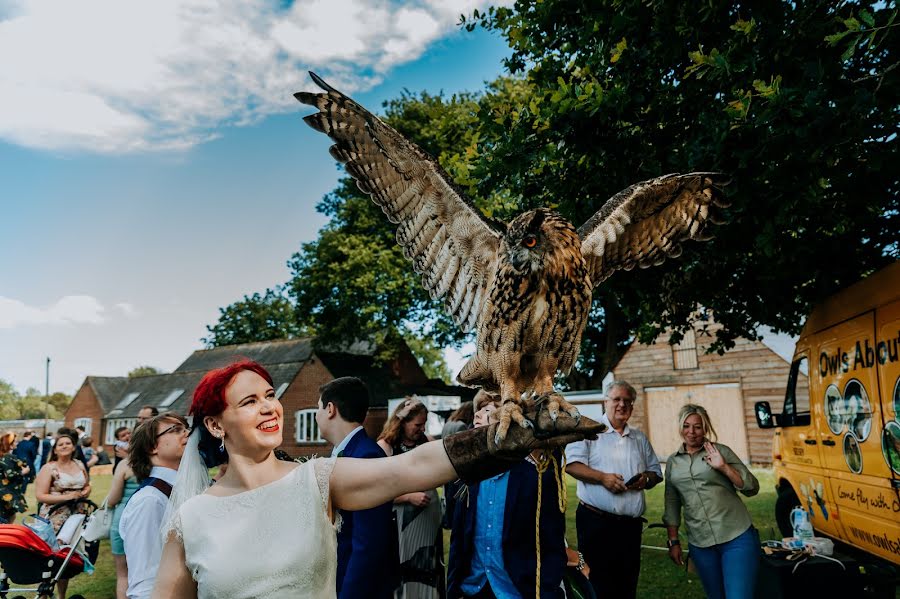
column 800, row 523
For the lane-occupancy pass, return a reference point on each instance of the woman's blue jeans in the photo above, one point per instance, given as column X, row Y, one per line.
column 728, row 570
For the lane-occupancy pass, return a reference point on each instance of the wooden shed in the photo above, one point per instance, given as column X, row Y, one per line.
column 669, row 376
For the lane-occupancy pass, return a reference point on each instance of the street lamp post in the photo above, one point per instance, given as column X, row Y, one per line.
column 46, row 395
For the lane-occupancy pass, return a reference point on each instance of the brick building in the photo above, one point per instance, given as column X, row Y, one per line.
column 103, row 404
column 669, row 376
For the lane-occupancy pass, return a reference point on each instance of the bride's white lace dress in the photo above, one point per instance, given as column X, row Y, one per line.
column 273, row 541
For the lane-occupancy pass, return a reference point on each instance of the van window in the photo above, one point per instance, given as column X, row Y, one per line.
column 796, row 400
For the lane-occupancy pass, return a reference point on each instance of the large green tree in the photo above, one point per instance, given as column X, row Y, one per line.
column 797, row 102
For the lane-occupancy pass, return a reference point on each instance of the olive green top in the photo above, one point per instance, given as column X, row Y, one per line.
column 713, row 513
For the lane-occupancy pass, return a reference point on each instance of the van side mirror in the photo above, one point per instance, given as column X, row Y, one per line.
column 764, row 415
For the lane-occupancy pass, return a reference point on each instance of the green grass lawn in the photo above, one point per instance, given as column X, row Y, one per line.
column 659, row 576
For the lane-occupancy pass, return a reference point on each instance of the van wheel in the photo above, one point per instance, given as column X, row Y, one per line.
column 786, row 501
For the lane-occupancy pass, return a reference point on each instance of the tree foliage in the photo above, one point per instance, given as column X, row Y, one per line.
column 143, row 371
column 255, row 318
column 33, row 404
column 797, row 102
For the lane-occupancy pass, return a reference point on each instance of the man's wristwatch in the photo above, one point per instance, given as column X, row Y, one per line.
column 672, row 542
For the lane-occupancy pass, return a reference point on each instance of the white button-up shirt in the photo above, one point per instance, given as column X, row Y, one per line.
column 627, row 454
column 139, row 528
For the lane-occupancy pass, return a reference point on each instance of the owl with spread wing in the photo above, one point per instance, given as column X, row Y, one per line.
column 525, row 286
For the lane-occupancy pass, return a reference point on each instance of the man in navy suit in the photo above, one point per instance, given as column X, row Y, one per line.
column 368, row 555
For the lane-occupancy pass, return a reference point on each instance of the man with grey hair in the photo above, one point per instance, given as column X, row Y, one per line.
column 612, row 472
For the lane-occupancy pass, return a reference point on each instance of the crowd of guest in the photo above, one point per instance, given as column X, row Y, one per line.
column 507, row 533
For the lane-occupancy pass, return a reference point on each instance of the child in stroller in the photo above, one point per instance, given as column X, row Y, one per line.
column 28, row 559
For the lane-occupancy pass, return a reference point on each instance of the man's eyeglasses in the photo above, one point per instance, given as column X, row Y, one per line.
column 178, row 429
column 623, row 400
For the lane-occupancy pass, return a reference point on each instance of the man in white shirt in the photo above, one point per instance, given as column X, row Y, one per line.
column 154, row 455
column 612, row 472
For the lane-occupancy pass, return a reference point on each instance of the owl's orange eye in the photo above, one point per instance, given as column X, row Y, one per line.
column 529, row 241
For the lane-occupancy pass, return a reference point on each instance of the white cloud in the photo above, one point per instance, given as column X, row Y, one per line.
column 119, row 76
column 71, row 309
column 128, row 310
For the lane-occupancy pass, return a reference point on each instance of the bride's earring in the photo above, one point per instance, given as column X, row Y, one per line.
column 222, row 446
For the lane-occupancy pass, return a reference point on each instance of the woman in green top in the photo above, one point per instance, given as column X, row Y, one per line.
column 702, row 480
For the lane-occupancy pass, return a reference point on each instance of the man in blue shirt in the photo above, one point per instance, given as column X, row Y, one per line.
column 492, row 537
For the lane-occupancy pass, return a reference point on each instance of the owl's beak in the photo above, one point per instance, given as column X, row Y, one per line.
column 518, row 260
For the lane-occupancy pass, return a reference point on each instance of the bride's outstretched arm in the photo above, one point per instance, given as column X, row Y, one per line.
column 358, row 484
column 173, row 578
column 470, row 455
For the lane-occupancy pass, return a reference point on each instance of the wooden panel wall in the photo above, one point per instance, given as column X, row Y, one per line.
column 761, row 373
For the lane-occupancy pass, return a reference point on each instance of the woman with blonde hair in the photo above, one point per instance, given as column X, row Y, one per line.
column 702, row 481
column 13, row 478
column 418, row 513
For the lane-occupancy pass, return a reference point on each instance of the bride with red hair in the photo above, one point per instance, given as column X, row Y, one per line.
column 267, row 527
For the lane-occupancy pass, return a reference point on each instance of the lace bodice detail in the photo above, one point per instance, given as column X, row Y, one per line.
column 273, row 541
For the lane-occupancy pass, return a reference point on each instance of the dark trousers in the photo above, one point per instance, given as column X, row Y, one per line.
column 486, row 592
column 611, row 546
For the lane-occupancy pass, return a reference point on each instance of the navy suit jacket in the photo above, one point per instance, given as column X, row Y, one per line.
column 368, row 553
column 519, row 551
column 27, row 450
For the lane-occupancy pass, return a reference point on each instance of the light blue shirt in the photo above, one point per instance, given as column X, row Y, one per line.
column 343, row 444
column 487, row 559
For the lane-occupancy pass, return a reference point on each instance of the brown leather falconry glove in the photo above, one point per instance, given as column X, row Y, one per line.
column 476, row 454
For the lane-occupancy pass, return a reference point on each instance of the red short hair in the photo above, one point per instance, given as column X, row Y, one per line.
column 209, row 396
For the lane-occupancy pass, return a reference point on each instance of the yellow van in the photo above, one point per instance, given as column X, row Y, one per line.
column 836, row 450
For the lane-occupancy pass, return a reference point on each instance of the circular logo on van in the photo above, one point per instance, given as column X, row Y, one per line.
column 835, row 414
column 890, row 445
column 850, row 409
column 896, row 403
column 859, row 410
column 852, row 453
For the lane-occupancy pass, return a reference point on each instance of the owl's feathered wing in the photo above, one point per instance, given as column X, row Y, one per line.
column 450, row 243
column 647, row 222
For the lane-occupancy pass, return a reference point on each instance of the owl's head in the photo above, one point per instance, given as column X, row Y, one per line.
column 534, row 235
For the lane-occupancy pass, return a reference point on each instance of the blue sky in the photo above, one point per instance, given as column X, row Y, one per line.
column 164, row 172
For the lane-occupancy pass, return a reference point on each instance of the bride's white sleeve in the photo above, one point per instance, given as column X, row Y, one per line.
column 323, row 468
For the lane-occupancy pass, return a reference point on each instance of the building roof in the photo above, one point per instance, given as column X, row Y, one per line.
column 123, row 397
column 174, row 392
column 107, row 389
column 286, row 351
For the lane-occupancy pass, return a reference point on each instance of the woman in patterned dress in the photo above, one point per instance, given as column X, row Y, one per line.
column 59, row 486
column 13, row 473
column 419, row 513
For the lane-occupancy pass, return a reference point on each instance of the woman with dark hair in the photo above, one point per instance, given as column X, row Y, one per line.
column 13, row 478
column 61, row 485
column 418, row 513
column 267, row 529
